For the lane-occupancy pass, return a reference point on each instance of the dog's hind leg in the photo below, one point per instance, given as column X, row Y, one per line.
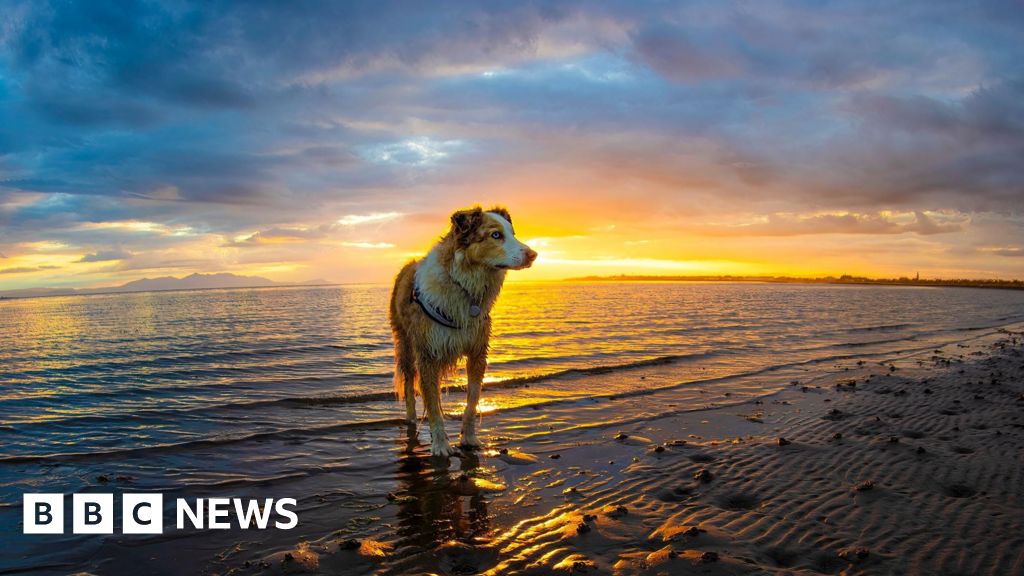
column 405, row 378
column 430, row 387
column 476, row 365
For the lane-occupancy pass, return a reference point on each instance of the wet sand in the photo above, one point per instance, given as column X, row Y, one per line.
column 910, row 466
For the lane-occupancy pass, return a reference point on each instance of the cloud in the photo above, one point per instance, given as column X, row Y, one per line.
column 27, row 269
column 781, row 224
column 106, row 255
column 375, row 217
column 369, row 245
column 1009, row 251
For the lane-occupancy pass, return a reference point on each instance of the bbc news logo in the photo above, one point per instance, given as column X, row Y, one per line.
column 144, row 513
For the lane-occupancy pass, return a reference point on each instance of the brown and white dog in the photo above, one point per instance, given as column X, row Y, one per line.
column 440, row 312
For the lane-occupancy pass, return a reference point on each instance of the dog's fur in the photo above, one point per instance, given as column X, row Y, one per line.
column 467, row 266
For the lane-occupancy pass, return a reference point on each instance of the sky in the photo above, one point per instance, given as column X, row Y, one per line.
column 300, row 140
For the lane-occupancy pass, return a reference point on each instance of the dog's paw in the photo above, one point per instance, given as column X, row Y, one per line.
column 471, row 442
column 442, row 449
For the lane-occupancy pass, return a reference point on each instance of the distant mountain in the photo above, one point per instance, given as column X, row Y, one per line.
column 190, row 282
column 194, row 282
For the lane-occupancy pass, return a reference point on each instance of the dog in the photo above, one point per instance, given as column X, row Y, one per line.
column 440, row 312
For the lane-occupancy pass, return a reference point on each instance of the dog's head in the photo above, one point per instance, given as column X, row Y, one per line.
column 487, row 237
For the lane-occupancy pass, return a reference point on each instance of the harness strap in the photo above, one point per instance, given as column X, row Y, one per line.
column 435, row 313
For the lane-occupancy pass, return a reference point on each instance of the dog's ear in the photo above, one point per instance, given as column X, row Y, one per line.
column 503, row 212
column 464, row 222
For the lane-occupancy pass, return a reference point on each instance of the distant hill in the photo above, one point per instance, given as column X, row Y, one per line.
column 196, row 281
column 190, row 282
column 844, row 279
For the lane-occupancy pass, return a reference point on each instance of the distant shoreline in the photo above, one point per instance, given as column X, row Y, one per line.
column 842, row 280
column 120, row 292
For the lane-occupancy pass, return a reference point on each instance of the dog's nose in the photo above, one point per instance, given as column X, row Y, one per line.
column 531, row 255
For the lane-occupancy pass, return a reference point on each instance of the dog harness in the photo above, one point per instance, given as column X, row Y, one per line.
column 435, row 313
column 438, row 315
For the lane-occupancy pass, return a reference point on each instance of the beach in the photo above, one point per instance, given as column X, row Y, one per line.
column 629, row 430
column 906, row 466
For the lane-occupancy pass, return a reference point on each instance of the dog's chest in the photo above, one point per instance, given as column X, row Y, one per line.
column 449, row 342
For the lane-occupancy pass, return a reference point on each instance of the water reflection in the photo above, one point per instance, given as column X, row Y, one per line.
column 435, row 504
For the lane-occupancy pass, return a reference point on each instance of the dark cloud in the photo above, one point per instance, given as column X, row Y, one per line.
column 24, row 269
column 794, row 225
column 106, row 255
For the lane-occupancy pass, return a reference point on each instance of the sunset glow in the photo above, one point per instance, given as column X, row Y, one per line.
column 683, row 139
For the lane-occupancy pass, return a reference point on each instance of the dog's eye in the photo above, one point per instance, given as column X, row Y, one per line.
column 496, row 235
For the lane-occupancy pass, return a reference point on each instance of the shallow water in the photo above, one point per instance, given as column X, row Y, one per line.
column 106, row 373
column 289, row 390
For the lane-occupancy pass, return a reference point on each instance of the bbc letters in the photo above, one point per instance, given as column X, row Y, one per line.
column 143, row 513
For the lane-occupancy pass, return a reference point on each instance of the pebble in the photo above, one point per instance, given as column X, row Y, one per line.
column 616, row 511
column 864, row 486
column 703, row 475
column 709, row 557
column 854, row 554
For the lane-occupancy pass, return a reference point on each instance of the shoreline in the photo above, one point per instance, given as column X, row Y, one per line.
column 924, row 478
column 998, row 284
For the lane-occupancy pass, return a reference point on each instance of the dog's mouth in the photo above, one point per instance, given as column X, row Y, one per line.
column 522, row 266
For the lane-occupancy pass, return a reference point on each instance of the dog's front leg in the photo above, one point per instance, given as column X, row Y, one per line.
column 476, row 365
column 430, row 387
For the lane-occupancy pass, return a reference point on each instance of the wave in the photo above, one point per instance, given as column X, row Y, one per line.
column 200, row 443
column 867, row 343
column 171, row 390
column 161, row 362
column 312, row 401
column 877, row 328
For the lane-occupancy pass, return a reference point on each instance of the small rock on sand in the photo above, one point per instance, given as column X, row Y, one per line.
column 709, row 557
column 864, row 486
column 834, row 414
column 615, row 511
column 516, row 457
column 633, row 440
column 783, row 441
column 703, row 475
column 854, row 554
